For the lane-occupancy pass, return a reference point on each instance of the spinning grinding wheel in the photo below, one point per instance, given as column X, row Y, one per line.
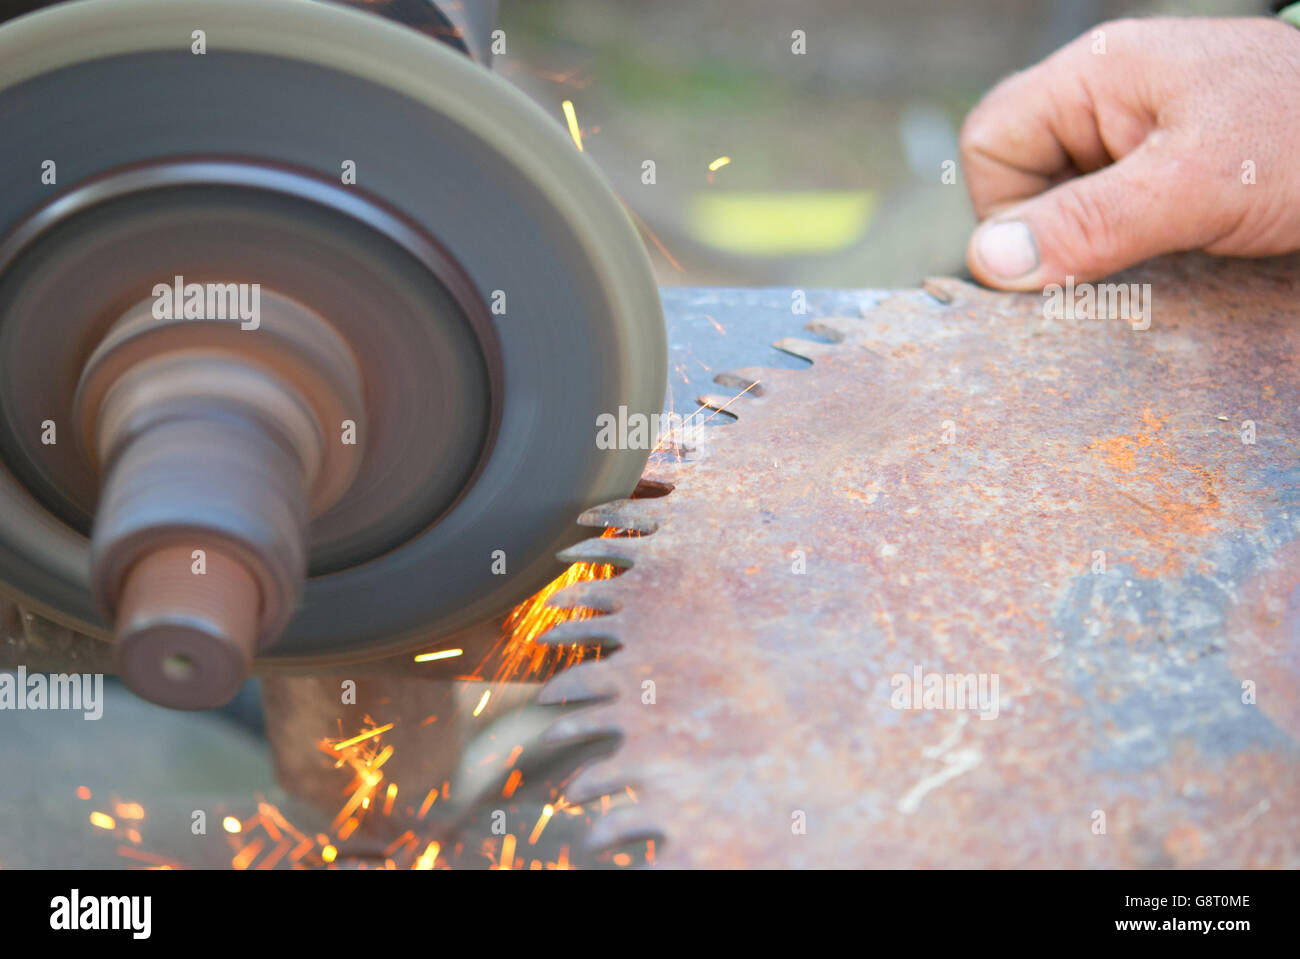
column 434, row 339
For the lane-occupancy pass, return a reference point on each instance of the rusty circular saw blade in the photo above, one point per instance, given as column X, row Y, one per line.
column 755, row 700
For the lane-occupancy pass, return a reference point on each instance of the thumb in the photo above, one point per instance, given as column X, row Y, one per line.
column 1091, row 226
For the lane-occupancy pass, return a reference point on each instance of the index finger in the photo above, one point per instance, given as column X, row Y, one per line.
column 1072, row 113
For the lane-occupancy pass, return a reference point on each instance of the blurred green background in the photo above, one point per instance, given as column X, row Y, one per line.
column 836, row 154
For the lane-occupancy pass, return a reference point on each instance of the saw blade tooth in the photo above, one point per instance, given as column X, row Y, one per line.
column 948, row 289
column 573, row 732
column 908, row 304
column 638, row 515
column 597, row 594
column 650, row 486
column 841, row 329
column 585, row 684
column 599, row 776
column 591, row 633
column 619, row 550
column 807, row 349
column 752, row 380
column 625, row 825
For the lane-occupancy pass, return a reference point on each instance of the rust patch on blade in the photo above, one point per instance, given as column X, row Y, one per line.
column 1173, row 496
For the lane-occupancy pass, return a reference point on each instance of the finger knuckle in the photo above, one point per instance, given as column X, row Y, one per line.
column 978, row 132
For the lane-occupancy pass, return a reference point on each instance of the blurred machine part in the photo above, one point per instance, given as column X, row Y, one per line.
column 305, row 323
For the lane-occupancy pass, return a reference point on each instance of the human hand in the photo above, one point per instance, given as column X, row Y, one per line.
column 1141, row 137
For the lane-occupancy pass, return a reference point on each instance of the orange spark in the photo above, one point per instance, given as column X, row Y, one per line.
column 389, row 797
column 129, row 810
column 428, row 857
column 274, row 858
column 359, row 797
column 516, row 777
column 83, row 792
column 428, row 801
column 399, row 842
column 547, row 812
column 273, row 821
column 247, row 854
column 361, row 737
column 507, row 851
column 519, row 655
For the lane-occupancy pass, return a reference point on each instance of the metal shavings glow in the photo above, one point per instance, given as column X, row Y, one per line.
column 547, row 812
column 246, row 855
column 516, row 777
column 428, row 802
column 519, row 655
column 428, row 857
column 369, row 733
column 267, row 840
